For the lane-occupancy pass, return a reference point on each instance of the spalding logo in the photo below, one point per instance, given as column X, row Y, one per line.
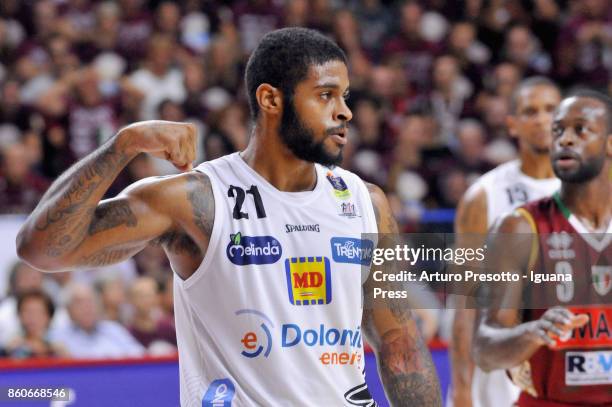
column 244, row 250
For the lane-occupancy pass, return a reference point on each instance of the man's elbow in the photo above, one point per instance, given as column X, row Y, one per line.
column 31, row 253
column 481, row 356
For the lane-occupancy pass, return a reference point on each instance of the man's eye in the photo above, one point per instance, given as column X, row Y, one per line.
column 578, row 128
column 325, row 95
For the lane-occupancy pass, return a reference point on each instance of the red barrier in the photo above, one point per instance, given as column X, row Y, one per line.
column 34, row 363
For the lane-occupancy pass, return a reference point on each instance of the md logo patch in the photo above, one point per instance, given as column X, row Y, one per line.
column 219, row 394
column 244, row 250
column 260, row 340
column 588, row 368
column 351, row 250
column 308, row 280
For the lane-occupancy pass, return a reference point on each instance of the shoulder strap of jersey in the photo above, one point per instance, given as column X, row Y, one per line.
column 533, row 256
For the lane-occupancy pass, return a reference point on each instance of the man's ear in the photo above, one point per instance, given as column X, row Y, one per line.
column 511, row 125
column 269, row 98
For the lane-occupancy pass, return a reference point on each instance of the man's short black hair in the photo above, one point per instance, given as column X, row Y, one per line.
column 530, row 82
column 282, row 59
column 603, row 98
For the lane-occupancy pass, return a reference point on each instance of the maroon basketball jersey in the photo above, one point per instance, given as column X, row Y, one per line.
column 578, row 371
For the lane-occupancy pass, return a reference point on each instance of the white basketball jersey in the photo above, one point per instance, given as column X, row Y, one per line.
column 273, row 314
column 507, row 188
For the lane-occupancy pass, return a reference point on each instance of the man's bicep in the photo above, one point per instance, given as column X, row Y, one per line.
column 510, row 247
column 122, row 226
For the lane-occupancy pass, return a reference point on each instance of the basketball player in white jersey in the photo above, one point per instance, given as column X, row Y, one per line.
column 498, row 192
column 265, row 244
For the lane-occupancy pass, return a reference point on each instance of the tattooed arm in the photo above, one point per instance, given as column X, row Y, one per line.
column 72, row 228
column 404, row 361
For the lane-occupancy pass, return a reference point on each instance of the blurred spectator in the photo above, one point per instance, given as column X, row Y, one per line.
column 296, row 13
column 20, row 187
column 167, row 19
column 254, row 18
column 470, row 54
column 35, row 310
column 584, row 45
column 91, row 118
column 113, row 298
column 104, row 35
column 506, row 77
column 374, row 21
column 409, row 49
column 167, row 296
column 23, row 279
column 158, row 79
column 523, row 49
column 135, row 29
column 149, row 324
column 12, row 111
column 88, row 336
column 449, row 96
column 470, row 146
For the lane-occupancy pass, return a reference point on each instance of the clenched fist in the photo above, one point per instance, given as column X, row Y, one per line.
column 555, row 323
column 172, row 141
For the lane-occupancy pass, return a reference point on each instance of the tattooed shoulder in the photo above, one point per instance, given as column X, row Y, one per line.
column 202, row 200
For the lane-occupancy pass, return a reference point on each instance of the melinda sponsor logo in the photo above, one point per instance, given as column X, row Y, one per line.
column 219, row 394
column 302, row 228
column 351, row 250
column 260, row 341
column 244, row 250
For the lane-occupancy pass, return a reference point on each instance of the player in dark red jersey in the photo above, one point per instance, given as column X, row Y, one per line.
column 558, row 349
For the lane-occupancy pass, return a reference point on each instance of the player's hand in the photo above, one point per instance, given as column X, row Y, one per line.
column 554, row 323
column 172, row 141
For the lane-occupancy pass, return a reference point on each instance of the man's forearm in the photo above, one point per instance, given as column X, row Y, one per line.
column 62, row 218
column 407, row 371
column 503, row 348
column 462, row 365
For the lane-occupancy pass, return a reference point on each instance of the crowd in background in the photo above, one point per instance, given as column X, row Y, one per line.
column 431, row 83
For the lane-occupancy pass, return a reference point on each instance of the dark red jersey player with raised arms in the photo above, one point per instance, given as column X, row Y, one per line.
column 559, row 348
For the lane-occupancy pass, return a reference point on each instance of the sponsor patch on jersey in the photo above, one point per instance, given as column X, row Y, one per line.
column 351, row 250
column 602, row 279
column 244, row 250
column 219, row 394
column 588, row 368
column 302, row 228
column 596, row 333
column 308, row 280
column 331, row 345
column 349, row 210
column 341, row 191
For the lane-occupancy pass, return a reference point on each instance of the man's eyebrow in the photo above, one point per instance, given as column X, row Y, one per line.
column 328, row 85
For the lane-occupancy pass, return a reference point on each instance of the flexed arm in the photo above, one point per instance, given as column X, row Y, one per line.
column 71, row 228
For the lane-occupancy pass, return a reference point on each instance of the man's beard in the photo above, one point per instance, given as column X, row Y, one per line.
column 301, row 140
column 586, row 171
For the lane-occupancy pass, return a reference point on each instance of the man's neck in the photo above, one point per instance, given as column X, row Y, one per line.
column 272, row 160
column 590, row 201
column 536, row 166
